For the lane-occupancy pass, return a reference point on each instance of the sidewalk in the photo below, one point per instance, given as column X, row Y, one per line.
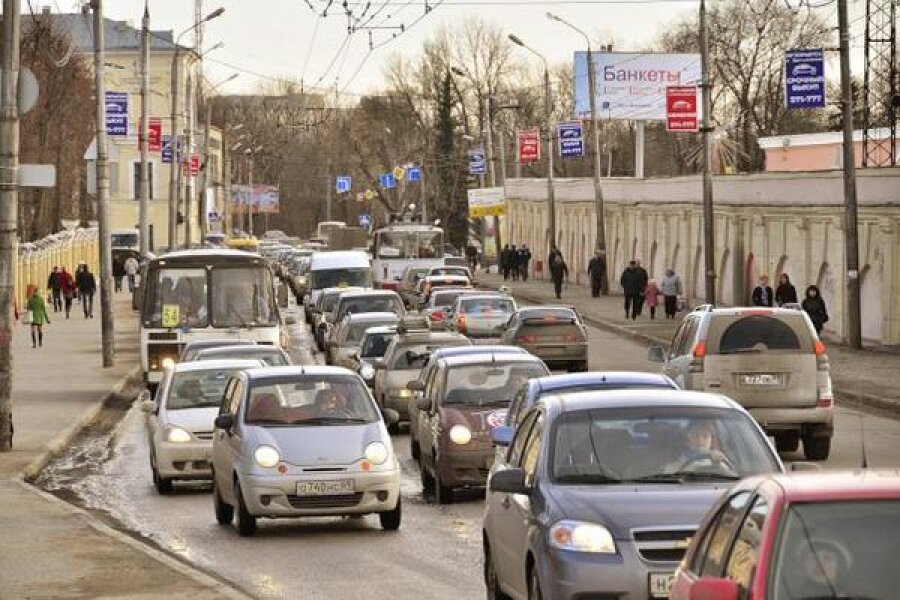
column 861, row 376
column 48, row 548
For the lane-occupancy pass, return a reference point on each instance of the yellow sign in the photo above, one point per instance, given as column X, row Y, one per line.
column 490, row 210
column 171, row 315
column 360, row 196
column 399, row 172
column 369, row 194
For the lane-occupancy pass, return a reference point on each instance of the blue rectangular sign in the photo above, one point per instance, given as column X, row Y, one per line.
column 167, row 149
column 477, row 162
column 804, row 78
column 343, row 184
column 570, row 136
column 117, row 114
column 387, row 181
column 414, row 174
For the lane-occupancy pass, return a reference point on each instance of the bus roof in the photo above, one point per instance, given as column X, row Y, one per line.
column 215, row 254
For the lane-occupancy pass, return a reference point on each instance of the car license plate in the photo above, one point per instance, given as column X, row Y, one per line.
column 325, row 488
column 762, row 379
column 661, row 584
column 553, row 350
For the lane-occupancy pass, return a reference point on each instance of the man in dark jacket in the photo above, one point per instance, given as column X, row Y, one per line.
column 87, row 285
column 763, row 294
column 558, row 269
column 504, row 262
column 633, row 287
column 523, row 260
column 514, row 262
column 54, row 285
column 644, row 279
column 597, row 272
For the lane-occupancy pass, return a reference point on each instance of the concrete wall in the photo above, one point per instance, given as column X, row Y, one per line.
column 765, row 223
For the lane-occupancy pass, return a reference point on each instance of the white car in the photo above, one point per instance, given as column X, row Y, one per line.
column 180, row 419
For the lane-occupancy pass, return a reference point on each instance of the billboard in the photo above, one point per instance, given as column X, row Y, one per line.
column 681, row 108
column 528, row 144
column 804, row 78
column 486, row 202
column 262, row 199
column 632, row 86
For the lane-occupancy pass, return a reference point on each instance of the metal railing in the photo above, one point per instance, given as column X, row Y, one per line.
column 63, row 249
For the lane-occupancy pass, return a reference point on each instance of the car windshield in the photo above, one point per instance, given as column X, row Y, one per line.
column 445, row 299
column 178, row 298
column 329, row 301
column 310, row 400
column 243, row 297
column 666, row 445
column 450, row 271
column 489, row 383
column 272, row 357
column 376, row 344
column 364, row 304
column 844, row 549
column 487, row 306
column 123, row 240
column 416, row 355
column 198, row 389
column 355, row 331
column 326, row 278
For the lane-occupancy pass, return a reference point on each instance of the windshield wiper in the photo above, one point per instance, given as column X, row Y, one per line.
column 681, row 476
column 234, row 311
column 588, row 478
column 329, row 420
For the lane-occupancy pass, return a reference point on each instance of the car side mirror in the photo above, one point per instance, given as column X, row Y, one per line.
column 656, row 354
column 502, row 435
column 415, row 385
column 224, row 422
column 423, row 404
column 510, row 481
column 391, row 417
column 713, row 588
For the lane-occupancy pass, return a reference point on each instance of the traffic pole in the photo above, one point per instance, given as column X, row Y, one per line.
column 144, row 205
column 709, row 231
column 598, row 171
column 107, row 327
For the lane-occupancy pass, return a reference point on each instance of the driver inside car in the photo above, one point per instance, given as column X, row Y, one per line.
column 701, row 451
column 331, row 403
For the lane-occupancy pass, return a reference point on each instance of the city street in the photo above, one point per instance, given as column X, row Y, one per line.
column 436, row 553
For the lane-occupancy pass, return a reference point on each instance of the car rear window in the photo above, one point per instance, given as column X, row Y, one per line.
column 369, row 304
column 487, row 305
column 760, row 333
column 549, row 316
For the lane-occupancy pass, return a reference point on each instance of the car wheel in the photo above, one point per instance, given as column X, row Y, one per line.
column 788, row 441
column 491, row 581
column 414, row 448
column 393, row 428
column 390, row 520
column 163, row 486
column 442, row 493
column 246, row 523
column 224, row 511
column 427, row 479
column 534, row 585
column 816, row 448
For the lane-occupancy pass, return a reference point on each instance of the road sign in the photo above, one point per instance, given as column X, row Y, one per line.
column 370, row 194
column 154, row 134
column 166, row 148
column 117, row 114
column 414, row 174
column 681, row 108
column 43, row 176
column 477, row 162
column 343, row 184
column 487, row 202
column 804, row 78
column 194, row 165
column 399, row 172
column 387, row 181
column 570, row 136
column 365, row 220
column 529, row 145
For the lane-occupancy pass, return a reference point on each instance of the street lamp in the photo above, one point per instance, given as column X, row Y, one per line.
column 204, row 187
column 250, row 153
column 598, row 167
column 551, row 194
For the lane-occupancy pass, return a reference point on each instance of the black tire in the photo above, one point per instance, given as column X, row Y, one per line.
column 788, row 441
column 816, row 448
column 393, row 428
column 534, row 584
column 224, row 511
column 414, row 448
column 390, row 520
column 163, row 486
column 246, row 523
column 427, row 479
column 491, row 581
column 442, row 493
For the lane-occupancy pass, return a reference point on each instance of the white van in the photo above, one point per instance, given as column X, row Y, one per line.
column 346, row 268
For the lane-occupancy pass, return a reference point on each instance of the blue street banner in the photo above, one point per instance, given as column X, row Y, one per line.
column 343, row 184
column 414, row 174
column 364, row 220
column 477, row 162
column 117, row 114
column 570, row 136
column 804, row 78
column 387, row 181
column 167, row 149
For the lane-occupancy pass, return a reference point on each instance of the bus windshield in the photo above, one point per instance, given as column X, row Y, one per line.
column 124, row 240
column 409, row 244
column 242, row 297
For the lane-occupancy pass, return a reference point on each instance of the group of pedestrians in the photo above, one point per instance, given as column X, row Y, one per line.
column 641, row 290
column 785, row 294
column 62, row 289
column 514, row 262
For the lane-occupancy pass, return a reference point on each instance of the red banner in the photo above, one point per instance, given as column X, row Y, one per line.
column 192, row 166
column 529, row 144
column 154, row 134
column 681, row 108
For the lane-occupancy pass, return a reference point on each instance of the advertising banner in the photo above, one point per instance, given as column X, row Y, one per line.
column 487, row 202
column 261, row 199
column 117, row 114
column 804, row 78
column 632, row 86
column 477, row 162
column 154, row 134
column 528, row 142
column 570, row 136
column 681, row 108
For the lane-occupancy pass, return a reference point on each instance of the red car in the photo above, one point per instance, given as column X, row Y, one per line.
column 792, row 537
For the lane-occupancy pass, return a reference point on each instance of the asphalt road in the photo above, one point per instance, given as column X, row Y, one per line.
column 436, row 553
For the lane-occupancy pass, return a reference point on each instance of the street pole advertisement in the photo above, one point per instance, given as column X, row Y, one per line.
column 154, row 134
column 261, row 198
column 488, row 202
column 681, row 109
column 804, row 78
column 528, row 144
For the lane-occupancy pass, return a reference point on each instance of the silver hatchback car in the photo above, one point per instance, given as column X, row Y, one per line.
column 302, row 441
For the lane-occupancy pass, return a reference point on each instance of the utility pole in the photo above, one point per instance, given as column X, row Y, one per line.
column 709, row 223
column 204, row 185
column 492, row 168
column 551, row 191
column 851, row 231
column 144, row 205
column 328, row 196
column 226, row 216
column 189, row 159
column 250, row 200
column 107, row 327
column 9, row 199
column 174, row 166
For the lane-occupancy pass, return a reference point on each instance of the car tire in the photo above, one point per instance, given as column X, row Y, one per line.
column 246, row 523
column 816, row 448
column 491, row 580
column 224, row 511
column 788, row 441
column 427, row 479
column 414, row 449
column 390, row 520
column 163, row 486
column 442, row 493
column 534, row 584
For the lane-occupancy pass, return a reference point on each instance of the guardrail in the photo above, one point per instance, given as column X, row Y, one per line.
column 63, row 249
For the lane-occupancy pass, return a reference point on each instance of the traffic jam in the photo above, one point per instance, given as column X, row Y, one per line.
column 595, row 484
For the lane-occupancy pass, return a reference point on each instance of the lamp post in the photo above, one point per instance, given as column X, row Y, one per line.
column 598, row 167
column 250, row 152
column 204, row 186
column 551, row 194
column 173, row 170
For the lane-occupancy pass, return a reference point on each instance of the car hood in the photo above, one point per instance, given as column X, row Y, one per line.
column 622, row 508
column 193, row 419
column 319, row 445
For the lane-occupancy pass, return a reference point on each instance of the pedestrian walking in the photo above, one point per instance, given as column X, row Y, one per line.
column 644, row 279
column 814, row 305
column 472, row 256
column 53, row 285
column 68, row 288
column 504, row 262
column 558, row 270
column 670, row 288
column 762, row 293
column 524, row 259
column 87, row 285
column 597, row 273
column 514, row 263
column 651, row 297
column 118, row 269
column 786, row 293
column 632, row 288
column 132, row 266
column 36, row 315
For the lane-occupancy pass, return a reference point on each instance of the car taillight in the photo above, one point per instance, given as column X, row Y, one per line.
column 437, row 315
column 526, row 339
column 821, row 357
column 700, row 349
column 825, row 401
column 570, row 338
column 699, row 354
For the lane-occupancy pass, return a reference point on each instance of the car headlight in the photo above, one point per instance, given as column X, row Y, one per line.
column 376, row 453
column 177, row 435
column 460, row 434
column 402, row 392
column 367, row 372
column 168, row 363
column 266, row 456
column 582, row 537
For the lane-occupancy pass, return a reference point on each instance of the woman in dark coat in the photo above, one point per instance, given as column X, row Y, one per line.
column 786, row 292
column 814, row 305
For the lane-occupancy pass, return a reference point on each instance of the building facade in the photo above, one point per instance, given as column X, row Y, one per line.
column 818, row 151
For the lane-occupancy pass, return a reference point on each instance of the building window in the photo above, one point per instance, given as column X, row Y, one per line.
column 136, row 178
